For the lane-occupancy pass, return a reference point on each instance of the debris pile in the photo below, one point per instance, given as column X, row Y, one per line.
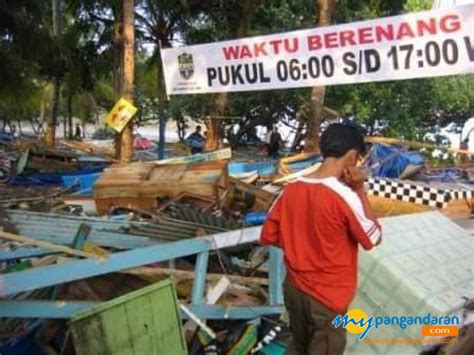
column 88, row 245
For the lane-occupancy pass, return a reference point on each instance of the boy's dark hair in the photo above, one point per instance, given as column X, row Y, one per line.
column 339, row 138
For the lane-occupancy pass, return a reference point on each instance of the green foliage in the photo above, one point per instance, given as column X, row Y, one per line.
column 29, row 58
column 407, row 108
column 454, row 93
column 418, row 5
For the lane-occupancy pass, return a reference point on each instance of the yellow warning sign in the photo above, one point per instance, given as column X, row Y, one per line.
column 120, row 115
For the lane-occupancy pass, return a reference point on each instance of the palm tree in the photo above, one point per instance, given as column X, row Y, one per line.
column 128, row 38
column 325, row 9
column 51, row 130
column 221, row 100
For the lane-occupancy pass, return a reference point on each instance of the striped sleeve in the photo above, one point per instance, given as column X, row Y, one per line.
column 365, row 231
column 270, row 234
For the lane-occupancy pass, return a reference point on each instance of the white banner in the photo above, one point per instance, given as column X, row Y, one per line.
column 424, row 44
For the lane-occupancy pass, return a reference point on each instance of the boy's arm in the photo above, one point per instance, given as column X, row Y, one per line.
column 270, row 234
column 364, row 225
column 368, row 211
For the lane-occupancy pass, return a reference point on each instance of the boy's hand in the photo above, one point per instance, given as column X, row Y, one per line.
column 354, row 177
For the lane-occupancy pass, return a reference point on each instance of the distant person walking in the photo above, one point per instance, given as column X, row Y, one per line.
column 14, row 132
column 196, row 141
column 274, row 143
column 266, row 141
column 463, row 158
column 78, row 132
column 298, row 141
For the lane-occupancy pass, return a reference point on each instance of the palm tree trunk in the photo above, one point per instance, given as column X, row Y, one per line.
column 316, row 105
column 248, row 7
column 64, row 127
column 52, row 122
column 51, row 129
column 315, row 117
column 69, row 116
column 221, row 101
column 118, row 63
column 161, row 105
column 128, row 74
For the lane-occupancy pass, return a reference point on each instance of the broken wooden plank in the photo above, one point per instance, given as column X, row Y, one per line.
column 91, row 149
column 81, row 236
column 222, row 154
column 66, row 309
column 22, row 253
column 284, row 163
column 215, row 292
column 37, row 198
column 199, row 281
column 42, row 309
column 240, row 192
column 198, row 321
column 185, row 274
column 43, row 244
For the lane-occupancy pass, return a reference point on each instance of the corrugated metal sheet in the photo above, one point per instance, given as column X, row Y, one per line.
column 61, row 229
column 192, row 214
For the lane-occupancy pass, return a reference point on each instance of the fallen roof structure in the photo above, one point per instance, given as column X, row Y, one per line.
column 423, row 266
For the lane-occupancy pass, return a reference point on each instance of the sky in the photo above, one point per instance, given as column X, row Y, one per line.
column 442, row 4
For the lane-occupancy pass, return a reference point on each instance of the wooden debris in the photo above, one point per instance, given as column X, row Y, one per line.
column 385, row 207
column 86, row 202
column 52, row 160
column 213, row 294
column 199, row 322
column 140, row 185
column 246, row 196
column 201, row 202
column 43, row 244
column 248, row 178
column 91, row 248
column 283, row 165
column 222, row 154
column 36, row 198
column 216, row 291
column 104, row 153
column 183, row 274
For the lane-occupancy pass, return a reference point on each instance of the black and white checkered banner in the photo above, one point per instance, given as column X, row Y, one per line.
column 417, row 192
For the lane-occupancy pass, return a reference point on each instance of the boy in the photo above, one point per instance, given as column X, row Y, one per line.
column 319, row 221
